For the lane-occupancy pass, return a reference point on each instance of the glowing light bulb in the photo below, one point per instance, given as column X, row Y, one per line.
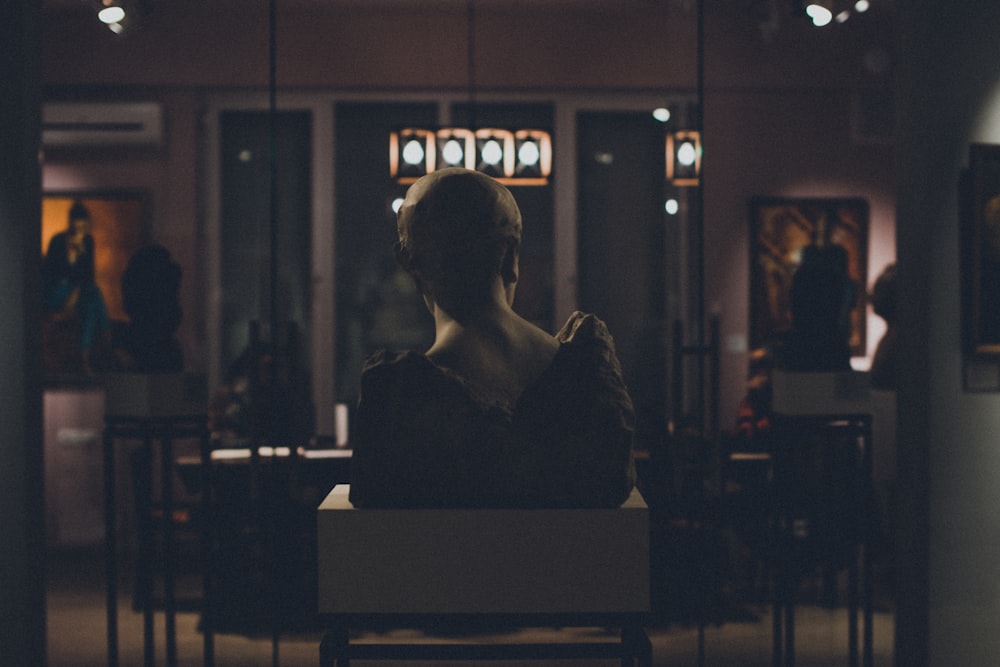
column 413, row 152
column 492, row 153
column 686, row 154
column 396, row 204
column 528, row 153
column 861, row 6
column 661, row 114
column 452, row 153
column 671, row 206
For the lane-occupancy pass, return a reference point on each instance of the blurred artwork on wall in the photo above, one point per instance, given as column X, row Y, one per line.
column 87, row 240
column 780, row 229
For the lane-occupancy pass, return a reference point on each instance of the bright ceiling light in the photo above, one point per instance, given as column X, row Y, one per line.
column 819, row 14
column 112, row 14
column 661, row 114
column 861, row 6
column 671, row 206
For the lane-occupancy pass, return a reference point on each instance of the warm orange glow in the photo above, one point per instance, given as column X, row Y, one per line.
column 116, row 225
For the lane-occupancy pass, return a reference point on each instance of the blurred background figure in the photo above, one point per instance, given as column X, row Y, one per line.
column 75, row 311
column 883, row 300
column 151, row 295
column 822, row 296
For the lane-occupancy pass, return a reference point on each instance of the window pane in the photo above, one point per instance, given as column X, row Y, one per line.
column 377, row 305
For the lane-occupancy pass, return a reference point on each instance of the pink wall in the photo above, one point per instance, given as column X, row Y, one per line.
column 169, row 175
column 777, row 111
column 782, row 144
column 379, row 45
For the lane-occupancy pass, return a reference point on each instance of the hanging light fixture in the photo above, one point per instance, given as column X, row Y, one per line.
column 684, row 157
column 412, row 153
column 513, row 156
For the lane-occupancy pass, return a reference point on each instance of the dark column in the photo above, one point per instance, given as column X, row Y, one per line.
column 22, row 547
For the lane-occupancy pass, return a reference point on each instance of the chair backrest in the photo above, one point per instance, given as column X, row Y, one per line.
column 482, row 561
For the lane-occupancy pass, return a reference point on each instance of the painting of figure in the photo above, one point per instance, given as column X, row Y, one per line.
column 781, row 230
column 87, row 240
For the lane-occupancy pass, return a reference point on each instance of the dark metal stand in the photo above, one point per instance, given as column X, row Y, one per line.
column 790, row 430
column 148, row 430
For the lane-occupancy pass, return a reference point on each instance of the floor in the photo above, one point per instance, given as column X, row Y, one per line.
column 77, row 632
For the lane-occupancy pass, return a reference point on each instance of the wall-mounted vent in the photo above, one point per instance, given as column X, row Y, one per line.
column 102, row 124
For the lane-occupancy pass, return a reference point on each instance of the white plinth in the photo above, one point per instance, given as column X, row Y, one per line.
column 158, row 395
column 796, row 393
column 482, row 561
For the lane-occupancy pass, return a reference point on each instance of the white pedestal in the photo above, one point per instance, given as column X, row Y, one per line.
column 74, row 514
column 156, row 395
column 482, row 561
column 796, row 393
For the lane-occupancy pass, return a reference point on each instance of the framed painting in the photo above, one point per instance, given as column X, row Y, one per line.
column 981, row 251
column 780, row 229
column 82, row 268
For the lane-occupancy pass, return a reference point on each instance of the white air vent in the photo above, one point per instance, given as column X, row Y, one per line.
column 102, row 124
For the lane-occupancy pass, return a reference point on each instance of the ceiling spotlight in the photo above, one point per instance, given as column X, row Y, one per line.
column 661, row 114
column 819, row 13
column 111, row 12
column 861, row 6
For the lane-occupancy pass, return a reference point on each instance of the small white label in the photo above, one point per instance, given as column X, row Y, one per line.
column 736, row 343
